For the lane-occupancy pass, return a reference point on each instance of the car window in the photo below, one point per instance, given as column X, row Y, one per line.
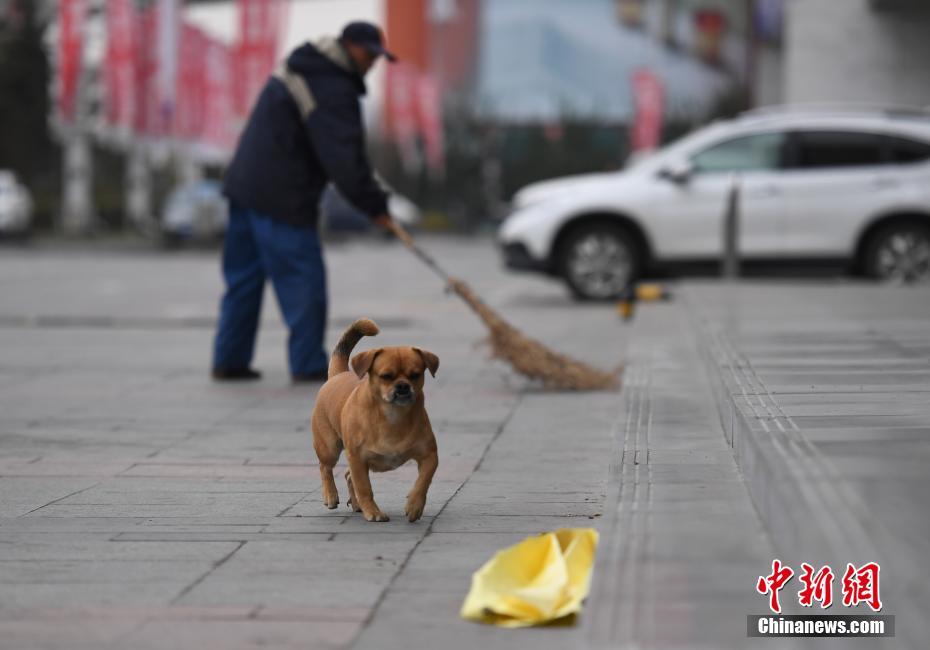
column 751, row 152
column 903, row 150
column 818, row 149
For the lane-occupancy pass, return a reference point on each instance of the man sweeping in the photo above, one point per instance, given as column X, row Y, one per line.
column 305, row 131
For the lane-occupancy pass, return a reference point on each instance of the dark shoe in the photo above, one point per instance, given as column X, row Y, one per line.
column 236, row 374
column 321, row 375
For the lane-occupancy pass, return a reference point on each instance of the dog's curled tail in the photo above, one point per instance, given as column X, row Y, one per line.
column 339, row 362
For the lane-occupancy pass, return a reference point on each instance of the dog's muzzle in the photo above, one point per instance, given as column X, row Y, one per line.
column 402, row 395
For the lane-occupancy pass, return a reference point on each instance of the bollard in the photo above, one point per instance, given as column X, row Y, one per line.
column 627, row 303
column 730, row 265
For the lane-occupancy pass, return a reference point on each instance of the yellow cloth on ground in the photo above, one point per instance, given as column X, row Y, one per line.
column 537, row 581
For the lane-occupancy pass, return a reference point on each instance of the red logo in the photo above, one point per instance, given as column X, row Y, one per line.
column 773, row 583
column 861, row 586
column 816, row 587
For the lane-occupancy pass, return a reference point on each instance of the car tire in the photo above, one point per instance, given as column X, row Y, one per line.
column 899, row 253
column 598, row 261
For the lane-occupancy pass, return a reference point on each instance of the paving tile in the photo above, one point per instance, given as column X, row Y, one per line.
column 243, row 634
column 79, row 635
column 851, row 393
column 23, row 495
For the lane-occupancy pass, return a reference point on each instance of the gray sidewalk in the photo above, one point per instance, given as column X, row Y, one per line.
column 142, row 506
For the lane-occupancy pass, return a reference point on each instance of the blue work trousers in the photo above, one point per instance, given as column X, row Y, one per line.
column 257, row 248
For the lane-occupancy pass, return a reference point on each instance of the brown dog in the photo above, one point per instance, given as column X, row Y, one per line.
column 380, row 420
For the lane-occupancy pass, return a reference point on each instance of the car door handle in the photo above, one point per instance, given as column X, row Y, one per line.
column 884, row 184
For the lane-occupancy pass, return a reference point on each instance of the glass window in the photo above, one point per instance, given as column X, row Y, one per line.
column 751, row 152
column 902, row 150
column 837, row 149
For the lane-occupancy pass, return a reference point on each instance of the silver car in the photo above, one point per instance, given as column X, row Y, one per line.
column 15, row 205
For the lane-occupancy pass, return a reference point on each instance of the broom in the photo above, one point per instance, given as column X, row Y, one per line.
column 528, row 357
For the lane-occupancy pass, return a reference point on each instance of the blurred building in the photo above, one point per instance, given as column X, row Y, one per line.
column 875, row 51
column 556, row 59
column 307, row 20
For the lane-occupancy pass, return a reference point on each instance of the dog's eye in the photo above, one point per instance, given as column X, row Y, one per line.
column 414, row 375
column 387, row 376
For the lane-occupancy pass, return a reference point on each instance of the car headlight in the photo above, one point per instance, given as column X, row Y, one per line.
column 534, row 196
column 521, row 221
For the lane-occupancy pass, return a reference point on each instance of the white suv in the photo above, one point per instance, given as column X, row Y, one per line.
column 822, row 185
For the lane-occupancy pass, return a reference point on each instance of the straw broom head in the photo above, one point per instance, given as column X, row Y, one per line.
column 531, row 358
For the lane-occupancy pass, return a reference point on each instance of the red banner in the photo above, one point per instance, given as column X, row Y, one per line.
column 200, row 107
column 402, row 80
column 146, row 115
column 204, row 93
column 70, row 44
column 169, row 36
column 218, row 103
column 429, row 114
column 120, row 66
column 191, row 84
column 648, row 102
column 260, row 23
column 415, row 107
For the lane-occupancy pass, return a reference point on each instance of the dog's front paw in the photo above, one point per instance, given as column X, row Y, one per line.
column 414, row 509
column 375, row 515
column 331, row 501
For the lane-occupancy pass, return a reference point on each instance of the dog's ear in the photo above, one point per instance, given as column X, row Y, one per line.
column 361, row 362
column 430, row 359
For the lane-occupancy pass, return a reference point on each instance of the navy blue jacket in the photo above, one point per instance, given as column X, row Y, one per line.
column 283, row 163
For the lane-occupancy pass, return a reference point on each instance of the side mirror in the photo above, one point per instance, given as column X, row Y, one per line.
column 677, row 171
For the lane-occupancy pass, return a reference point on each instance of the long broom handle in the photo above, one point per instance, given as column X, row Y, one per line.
column 453, row 285
column 401, row 233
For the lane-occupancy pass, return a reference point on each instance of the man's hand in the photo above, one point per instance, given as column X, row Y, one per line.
column 384, row 221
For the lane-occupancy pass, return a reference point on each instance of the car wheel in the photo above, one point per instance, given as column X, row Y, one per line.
column 598, row 261
column 900, row 253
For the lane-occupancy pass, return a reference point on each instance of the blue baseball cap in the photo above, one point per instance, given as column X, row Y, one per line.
column 367, row 36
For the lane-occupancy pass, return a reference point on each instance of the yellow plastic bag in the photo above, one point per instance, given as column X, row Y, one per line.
column 537, row 581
